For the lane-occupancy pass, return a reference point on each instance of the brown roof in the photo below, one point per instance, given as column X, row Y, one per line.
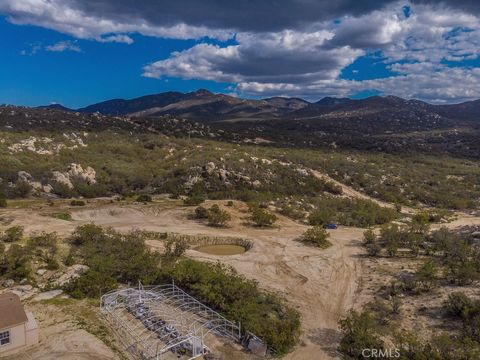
column 11, row 311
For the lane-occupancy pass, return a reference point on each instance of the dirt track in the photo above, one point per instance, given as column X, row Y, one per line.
column 350, row 192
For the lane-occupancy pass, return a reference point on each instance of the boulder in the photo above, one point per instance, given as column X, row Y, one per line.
column 25, row 177
column 61, row 178
column 71, row 273
column 77, row 172
column 47, row 295
column 8, row 283
column 209, row 168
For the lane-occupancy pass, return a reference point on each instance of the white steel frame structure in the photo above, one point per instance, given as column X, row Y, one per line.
column 156, row 322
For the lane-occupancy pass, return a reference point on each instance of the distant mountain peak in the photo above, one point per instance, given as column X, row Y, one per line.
column 331, row 101
column 55, row 107
column 203, row 92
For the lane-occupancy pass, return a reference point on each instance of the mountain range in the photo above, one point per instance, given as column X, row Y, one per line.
column 205, row 106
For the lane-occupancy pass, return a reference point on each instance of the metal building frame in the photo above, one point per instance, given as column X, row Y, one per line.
column 156, row 322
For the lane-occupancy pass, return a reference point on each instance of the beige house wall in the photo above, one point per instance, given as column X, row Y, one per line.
column 17, row 339
column 21, row 336
column 31, row 330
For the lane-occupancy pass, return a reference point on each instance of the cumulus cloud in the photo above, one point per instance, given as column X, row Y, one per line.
column 441, row 85
column 84, row 21
column 287, row 56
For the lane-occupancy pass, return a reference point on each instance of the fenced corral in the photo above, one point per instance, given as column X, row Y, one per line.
column 164, row 322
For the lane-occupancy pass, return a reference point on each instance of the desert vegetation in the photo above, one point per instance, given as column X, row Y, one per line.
column 114, row 258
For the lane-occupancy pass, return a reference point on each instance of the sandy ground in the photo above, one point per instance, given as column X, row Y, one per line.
column 61, row 338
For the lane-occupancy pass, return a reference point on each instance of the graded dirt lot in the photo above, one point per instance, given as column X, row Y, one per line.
column 321, row 284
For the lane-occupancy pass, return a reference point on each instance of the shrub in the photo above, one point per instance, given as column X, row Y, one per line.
column 77, row 203
column 174, row 248
column 369, row 237
column 291, row 212
column 52, row 264
column 321, row 217
column 69, row 260
column 3, row 202
column 316, row 236
column 261, row 217
column 63, row 216
column 201, row 213
column 124, row 257
column 12, row 234
column 21, row 189
column 358, row 333
column 458, row 304
column 239, row 299
column 373, row 249
column 230, row 203
column 194, row 200
column 17, row 262
column 463, row 272
column 144, row 198
column 91, row 284
column 43, row 239
column 217, row 217
column 426, row 276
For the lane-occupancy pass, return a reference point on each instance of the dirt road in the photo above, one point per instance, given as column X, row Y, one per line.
column 350, row 192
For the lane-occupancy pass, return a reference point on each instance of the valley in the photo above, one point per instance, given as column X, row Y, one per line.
column 159, row 180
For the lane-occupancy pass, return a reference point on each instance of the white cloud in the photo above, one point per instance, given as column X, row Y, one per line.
column 290, row 56
column 117, row 39
column 62, row 46
column 299, row 52
column 65, row 17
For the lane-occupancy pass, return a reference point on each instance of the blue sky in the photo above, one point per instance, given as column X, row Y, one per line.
column 77, row 52
column 100, row 71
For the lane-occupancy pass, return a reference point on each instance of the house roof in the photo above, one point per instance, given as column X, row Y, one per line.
column 11, row 311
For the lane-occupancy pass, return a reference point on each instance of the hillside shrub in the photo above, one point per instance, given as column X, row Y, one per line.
column 217, row 216
column 13, row 234
column 194, row 200
column 145, row 198
column 77, row 203
column 261, row 217
column 316, row 236
column 201, row 213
